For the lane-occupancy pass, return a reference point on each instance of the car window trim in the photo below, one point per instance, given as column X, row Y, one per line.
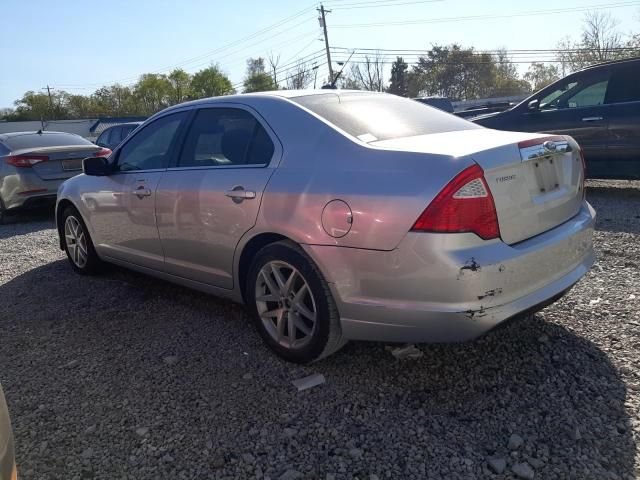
column 622, row 103
column 277, row 146
column 172, row 147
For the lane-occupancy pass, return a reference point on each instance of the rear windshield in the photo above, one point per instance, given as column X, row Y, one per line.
column 371, row 117
column 36, row 140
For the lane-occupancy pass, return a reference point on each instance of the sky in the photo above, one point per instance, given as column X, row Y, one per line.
column 79, row 46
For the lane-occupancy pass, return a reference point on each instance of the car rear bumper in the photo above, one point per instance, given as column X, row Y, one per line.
column 26, row 190
column 447, row 288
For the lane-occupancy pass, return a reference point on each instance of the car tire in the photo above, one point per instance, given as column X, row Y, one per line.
column 291, row 304
column 78, row 244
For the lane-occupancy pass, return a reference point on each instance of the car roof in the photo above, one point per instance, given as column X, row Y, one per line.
column 283, row 94
column 611, row 62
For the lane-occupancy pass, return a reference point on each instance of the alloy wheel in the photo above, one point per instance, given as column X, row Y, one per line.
column 76, row 241
column 285, row 304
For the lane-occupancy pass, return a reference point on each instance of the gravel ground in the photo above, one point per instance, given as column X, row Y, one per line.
column 123, row 376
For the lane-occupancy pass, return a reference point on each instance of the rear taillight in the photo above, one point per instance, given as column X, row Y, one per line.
column 103, row 152
column 464, row 205
column 25, row 161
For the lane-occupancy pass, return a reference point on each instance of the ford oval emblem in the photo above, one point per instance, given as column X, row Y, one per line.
column 550, row 146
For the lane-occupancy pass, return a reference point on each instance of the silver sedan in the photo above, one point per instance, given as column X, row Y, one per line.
column 337, row 215
column 7, row 462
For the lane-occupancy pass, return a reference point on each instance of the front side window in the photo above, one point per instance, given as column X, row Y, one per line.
column 585, row 91
column 225, row 137
column 150, row 148
column 588, row 97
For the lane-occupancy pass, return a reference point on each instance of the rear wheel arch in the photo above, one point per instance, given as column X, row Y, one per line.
column 249, row 251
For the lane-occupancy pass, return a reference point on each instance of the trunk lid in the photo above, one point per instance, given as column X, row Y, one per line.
column 537, row 186
column 63, row 161
column 536, row 180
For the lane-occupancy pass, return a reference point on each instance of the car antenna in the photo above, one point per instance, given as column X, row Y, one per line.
column 332, row 85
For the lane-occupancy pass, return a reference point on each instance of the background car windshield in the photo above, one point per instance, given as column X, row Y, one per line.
column 36, row 140
column 381, row 117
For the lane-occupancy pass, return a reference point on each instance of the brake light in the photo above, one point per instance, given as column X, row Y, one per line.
column 25, row 161
column 539, row 141
column 103, row 152
column 464, row 205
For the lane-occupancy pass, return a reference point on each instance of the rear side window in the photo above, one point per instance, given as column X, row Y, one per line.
column 381, row 117
column 225, row 137
column 36, row 140
column 625, row 84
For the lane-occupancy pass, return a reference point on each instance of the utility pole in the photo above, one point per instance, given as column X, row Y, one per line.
column 323, row 23
column 50, row 102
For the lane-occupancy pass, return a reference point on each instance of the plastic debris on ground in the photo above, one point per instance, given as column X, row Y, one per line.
column 407, row 351
column 311, row 381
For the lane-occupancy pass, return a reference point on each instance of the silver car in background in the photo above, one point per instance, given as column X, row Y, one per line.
column 34, row 164
column 337, row 215
column 7, row 461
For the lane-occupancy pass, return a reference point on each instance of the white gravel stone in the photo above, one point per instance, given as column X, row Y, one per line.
column 515, row 442
column 497, row 465
column 523, row 470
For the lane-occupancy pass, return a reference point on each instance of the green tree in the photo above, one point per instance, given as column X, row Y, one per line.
column 116, row 100
column 37, row 105
column 257, row 79
column 506, row 79
column 399, row 84
column 180, row 82
column 462, row 74
column 540, row 75
column 210, row 82
column 153, row 91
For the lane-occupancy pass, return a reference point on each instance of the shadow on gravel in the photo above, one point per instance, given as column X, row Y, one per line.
column 87, row 362
column 618, row 208
column 26, row 222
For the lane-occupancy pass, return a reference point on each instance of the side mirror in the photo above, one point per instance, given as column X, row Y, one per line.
column 534, row 105
column 97, row 166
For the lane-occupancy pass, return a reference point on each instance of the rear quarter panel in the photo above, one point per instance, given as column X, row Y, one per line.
column 386, row 190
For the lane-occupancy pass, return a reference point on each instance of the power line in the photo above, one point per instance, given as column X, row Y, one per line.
column 386, row 4
column 310, row 58
column 495, row 51
column 490, row 16
column 217, row 50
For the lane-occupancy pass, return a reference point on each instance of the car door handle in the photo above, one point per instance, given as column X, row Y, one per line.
column 591, row 119
column 240, row 194
column 141, row 192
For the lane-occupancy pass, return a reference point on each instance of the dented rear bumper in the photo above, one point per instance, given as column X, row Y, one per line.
column 452, row 287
